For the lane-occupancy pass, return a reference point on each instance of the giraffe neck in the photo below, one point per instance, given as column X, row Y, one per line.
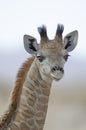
column 33, row 104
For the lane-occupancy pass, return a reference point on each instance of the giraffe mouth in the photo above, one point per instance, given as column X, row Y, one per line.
column 57, row 77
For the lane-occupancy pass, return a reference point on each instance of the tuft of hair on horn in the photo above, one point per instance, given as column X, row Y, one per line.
column 42, row 31
column 60, row 29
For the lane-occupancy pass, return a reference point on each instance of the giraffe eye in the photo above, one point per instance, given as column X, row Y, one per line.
column 66, row 57
column 40, row 58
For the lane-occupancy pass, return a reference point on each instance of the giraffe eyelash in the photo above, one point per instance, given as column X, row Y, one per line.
column 40, row 58
column 66, row 57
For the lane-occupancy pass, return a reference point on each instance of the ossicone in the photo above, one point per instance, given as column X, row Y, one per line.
column 59, row 31
column 43, row 33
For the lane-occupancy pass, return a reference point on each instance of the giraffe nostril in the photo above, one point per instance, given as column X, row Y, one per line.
column 57, row 68
column 61, row 69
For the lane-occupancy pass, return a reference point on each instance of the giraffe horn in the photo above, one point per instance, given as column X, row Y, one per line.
column 43, row 33
column 59, row 31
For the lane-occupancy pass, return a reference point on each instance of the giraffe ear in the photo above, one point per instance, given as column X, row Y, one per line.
column 70, row 40
column 30, row 44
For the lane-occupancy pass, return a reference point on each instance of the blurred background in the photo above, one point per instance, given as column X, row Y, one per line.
column 67, row 105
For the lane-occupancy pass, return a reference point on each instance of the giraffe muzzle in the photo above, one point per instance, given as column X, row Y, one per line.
column 57, row 72
column 57, row 68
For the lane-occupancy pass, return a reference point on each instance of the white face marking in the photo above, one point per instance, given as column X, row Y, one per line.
column 45, row 67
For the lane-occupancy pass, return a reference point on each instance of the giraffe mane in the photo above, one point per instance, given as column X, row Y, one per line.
column 15, row 95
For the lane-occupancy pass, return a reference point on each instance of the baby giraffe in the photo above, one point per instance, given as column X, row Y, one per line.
column 29, row 99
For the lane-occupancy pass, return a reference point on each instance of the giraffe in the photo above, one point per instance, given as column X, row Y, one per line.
column 28, row 102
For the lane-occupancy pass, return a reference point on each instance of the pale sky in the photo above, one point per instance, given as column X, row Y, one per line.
column 18, row 17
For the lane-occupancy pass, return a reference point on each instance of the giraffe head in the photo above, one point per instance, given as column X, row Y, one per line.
column 51, row 55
